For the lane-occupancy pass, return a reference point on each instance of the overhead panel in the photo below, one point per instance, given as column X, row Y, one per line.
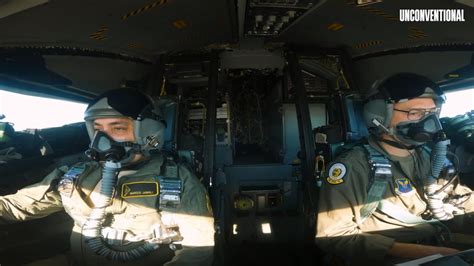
column 141, row 28
column 271, row 17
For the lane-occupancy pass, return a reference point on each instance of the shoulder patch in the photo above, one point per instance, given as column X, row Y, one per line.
column 403, row 186
column 336, row 174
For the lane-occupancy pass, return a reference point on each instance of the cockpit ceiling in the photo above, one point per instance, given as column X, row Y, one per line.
column 139, row 28
column 375, row 28
column 146, row 29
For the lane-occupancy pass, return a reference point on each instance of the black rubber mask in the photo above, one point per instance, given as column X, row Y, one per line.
column 419, row 132
column 104, row 148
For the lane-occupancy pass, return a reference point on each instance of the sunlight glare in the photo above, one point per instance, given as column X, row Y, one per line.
column 36, row 112
column 457, row 103
column 266, row 228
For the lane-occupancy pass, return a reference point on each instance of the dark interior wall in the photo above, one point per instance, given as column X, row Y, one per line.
column 255, row 117
column 273, row 121
column 96, row 74
column 434, row 65
column 291, row 142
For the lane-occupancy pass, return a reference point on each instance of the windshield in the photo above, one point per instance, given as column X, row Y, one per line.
column 458, row 102
column 37, row 112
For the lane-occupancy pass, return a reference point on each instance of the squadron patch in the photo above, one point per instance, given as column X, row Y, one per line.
column 336, row 174
column 403, row 186
column 140, row 189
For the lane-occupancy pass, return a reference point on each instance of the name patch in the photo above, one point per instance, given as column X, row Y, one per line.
column 140, row 189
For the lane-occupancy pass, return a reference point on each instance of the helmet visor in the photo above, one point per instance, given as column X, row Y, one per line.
column 406, row 86
column 126, row 102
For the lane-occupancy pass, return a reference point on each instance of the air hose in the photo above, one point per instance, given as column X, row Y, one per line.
column 435, row 199
column 93, row 225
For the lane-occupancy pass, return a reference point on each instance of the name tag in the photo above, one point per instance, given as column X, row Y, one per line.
column 140, row 189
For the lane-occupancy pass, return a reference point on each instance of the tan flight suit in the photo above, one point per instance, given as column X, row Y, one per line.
column 129, row 219
column 341, row 230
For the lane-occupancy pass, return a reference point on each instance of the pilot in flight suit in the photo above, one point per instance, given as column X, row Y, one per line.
column 377, row 202
column 131, row 204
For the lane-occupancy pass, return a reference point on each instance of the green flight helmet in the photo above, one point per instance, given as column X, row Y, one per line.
column 147, row 118
column 378, row 107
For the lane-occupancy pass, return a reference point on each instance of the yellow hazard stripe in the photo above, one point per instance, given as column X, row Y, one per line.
column 180, row 24
column 99, row 37
column 95, row 34
column 100, row 34
column 417, row 36
column 335, row 26
column 416, row 33
column 143, row 9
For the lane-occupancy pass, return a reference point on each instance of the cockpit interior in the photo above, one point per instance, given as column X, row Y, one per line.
column 259, row 96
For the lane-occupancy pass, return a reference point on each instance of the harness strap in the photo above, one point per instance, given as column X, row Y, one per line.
column 171, row 186
column 381, row 175
column 400, row 214
column 158, row 233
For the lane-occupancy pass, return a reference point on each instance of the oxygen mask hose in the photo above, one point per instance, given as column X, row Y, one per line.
column 435, row 199
column 93, row 226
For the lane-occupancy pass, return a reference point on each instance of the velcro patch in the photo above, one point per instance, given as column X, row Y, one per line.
column 336, row 174
column 403, row 186
column 140, row 189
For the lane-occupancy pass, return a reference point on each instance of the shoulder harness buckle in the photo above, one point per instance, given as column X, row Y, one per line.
column 170, row 185
column 68, row 180
column 380, row 176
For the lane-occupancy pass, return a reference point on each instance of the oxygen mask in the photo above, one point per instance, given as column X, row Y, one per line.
column 104, row 148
